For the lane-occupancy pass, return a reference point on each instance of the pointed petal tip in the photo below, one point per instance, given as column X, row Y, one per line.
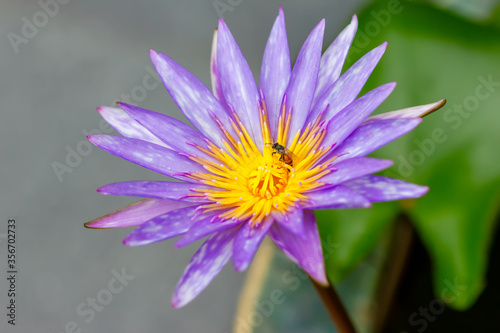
column 94, row 224
column 95, row 138
column 437, row 105
column 89, row 225
column 176, row 303
column 424, row 190
column 127, row 241
column 102, row 190
column 440, row 103
column 239, row 266
column 155, row 57
column 322, row 282
column 222, row 25
column 321, row 25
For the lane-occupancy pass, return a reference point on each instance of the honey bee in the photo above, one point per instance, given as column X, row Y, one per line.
column 286, row 156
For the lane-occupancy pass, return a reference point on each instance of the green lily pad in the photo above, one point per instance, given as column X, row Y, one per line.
column 433, row 55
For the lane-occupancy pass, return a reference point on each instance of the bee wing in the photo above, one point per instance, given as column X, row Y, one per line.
column 294, row 157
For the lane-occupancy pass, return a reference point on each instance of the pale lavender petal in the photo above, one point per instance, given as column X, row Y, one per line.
column 291, row 220
column 170, row 130
column 334, row 57
column 127, row 126
column 413, row 112
column 154, row 157
column 338, row 197
column 305, row 251
column 214, row 73
column 136, row 213
column 354, row 168
column 238, row 83
column 203, row 228
column 155, row 189
column 378, row 188
column 165, row 226
column 192, row 97
column 368, row 138
column 247, row 241
column 275, row 70
column 208, row 261
column 304, row 77
column 348, row 86
column 347, row 120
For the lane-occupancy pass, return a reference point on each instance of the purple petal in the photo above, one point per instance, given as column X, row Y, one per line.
column 413, row 112
column 338, row 197
column 347, row 87
column 305, row 251
column 155, row 189
column 275, row 70
column 370, row 137
column 347, row 120
column 238, row 83
column 354, row 168
column 378, row 188
column 214, row 73
column 136, row 213
column 204, row 266
column 165, row 226
column 291, row 220
column 192, row 97
column 304, row 77
column 127, row 126
column 203, row 228
column 247, row 241
column 148, row 155
column 170, row 130
column 334, row 57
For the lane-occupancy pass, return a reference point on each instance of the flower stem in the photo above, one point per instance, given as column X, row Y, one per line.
column 335, row 307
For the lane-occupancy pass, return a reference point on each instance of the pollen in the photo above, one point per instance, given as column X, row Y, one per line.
column 249, row 183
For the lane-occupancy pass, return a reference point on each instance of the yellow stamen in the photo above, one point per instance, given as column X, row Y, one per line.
column 248, row 184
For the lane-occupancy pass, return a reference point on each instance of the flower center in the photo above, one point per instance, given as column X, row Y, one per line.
column 250, row 184
column 267, row 181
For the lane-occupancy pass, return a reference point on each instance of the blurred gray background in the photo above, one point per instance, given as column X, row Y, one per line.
column 89, row 53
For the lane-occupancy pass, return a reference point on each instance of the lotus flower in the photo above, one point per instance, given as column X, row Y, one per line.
column 260, row 159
